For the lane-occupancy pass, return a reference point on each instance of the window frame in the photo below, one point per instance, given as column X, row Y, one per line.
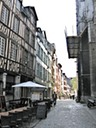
column 15, row 27
column 5, row 19
column 2, row 47
column 25, row 57
column 37, row 69
column 27, row 34
column 38, row 52
column 31, row 60
column 33, row 40
column 13, row 48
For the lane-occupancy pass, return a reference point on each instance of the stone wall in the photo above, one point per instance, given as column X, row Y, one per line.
column 92, row 47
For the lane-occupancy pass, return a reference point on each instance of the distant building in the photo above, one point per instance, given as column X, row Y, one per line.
column 58, row 79
column 43, row 61
column 25, row 52
column 56, row 72
column 66, row 86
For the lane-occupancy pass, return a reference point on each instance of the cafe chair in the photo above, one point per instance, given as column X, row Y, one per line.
column 5, row 121
column 34, row 111
column 30, row 113
column 19, row 120
column 25, row 115
column 25, row 118
column 13, row 122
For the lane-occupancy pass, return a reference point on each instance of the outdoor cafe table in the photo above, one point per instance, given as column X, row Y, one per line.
column 13, row 110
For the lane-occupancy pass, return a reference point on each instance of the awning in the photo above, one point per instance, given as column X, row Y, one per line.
column 72, row 46
column 29, row 84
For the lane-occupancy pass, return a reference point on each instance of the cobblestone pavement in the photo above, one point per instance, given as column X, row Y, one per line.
column 68, row 114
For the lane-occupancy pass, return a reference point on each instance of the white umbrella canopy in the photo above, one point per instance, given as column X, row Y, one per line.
column 29, row 84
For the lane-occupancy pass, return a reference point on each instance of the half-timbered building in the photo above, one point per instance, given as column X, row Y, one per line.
column 17, row 46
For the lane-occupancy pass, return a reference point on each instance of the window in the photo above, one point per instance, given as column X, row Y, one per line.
column 33, row 40
column 44, row 74
column 5, row 15
column 18, row 4
column 16, row 25
column 41, row 53
column 31, row 58
column 37, row 69
column 44, row 57
column 40, row 72
column 26, row 57
column 38, row 52
column 47, row 61
column 2, row 46
column 13, row 53
column 27, row 35
column 48, row 76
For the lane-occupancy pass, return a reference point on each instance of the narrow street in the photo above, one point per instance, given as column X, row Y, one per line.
column 69, row 114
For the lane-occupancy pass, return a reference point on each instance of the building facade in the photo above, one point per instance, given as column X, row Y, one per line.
column 43, row 61
column 58, row 79
column 66, row 86
column 54, row 68
column 86, row 48
column 48, row 71
column 17, row 46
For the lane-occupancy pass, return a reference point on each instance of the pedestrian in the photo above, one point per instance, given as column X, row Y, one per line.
column 54, row 97
column 73, row 95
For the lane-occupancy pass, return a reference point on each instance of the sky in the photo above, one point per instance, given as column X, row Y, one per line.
column 54, row 17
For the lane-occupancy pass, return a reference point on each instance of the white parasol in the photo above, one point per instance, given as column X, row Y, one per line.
column 29, row 84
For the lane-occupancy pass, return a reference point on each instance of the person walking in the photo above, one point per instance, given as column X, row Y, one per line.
column 54, row 97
